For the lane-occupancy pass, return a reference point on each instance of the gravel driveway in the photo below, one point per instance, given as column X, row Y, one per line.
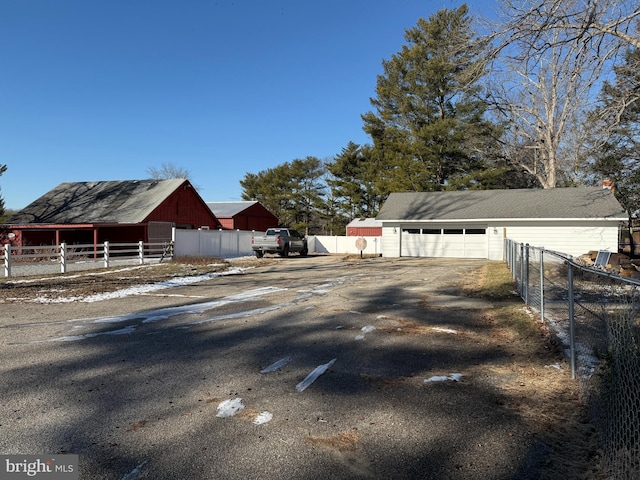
column 137, row 381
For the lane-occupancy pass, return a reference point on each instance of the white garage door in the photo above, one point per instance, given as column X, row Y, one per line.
column 444, row 242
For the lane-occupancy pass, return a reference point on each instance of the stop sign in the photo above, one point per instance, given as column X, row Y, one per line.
column 361, row 244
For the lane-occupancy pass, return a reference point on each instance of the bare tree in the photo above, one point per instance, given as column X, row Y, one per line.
column 168, row 170
column 548, row 65
column 597, row 24
column 600, row 31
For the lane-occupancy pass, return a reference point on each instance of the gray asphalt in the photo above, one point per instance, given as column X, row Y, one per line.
column 124, row 385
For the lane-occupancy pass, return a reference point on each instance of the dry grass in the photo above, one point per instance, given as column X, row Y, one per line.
column 493, row 281
column 539, row 386
column 343, row 442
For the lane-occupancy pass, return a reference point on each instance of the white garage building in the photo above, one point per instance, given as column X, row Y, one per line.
column 473, row 223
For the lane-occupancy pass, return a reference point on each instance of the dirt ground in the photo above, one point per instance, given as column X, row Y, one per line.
column 536, row 383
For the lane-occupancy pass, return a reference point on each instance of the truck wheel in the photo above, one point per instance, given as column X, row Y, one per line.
column 259, row 254
column 285, row 251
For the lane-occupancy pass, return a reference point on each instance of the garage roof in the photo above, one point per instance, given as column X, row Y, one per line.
column 522, row 204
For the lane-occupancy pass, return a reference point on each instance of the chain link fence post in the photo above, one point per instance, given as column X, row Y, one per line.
column 572, row 336
column 526, row 275
column 542, row 283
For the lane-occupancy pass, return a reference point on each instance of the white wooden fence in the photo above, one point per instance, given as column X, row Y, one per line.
column 63, row 256
column 32, row 260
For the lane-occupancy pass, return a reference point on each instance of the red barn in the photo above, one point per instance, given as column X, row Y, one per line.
column 364, row 227
column 115, row 211
column 243, row 215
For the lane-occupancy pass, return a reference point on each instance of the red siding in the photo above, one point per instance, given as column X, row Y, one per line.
column 226, row 222
column 364, row 231
column 186, row 209
column 256, row 217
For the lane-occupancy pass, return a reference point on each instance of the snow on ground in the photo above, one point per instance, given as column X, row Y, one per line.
column 129, row 291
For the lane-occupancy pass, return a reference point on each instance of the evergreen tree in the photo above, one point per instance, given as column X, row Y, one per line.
column 354, row 176
column 619, row 159
column 429, row 127
column 3, row 168
column 292, row 191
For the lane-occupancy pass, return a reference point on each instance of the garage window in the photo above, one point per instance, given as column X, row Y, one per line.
column 475, row 231
column 453, row 231
column 412, row 231
column 431, row 231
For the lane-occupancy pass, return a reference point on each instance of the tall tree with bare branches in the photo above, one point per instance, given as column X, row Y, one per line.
column 549, row 61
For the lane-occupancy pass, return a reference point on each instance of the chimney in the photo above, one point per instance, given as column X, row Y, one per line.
column 609, row 184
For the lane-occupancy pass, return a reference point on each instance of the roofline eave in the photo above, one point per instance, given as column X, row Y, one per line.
column 497, row 220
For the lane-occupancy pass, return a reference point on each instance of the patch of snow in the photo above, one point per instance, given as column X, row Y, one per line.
column 72, row 338
column 262, row 417
column 315, row 373
column 276, row 365
column 228, row 408
column 445, row 330
column 135, row 472
column 140, row 289
column 454, row 377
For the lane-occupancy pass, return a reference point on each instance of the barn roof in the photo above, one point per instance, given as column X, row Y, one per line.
column 229, row 209
column 118, row 201
column 521, row 204
column 365, row 222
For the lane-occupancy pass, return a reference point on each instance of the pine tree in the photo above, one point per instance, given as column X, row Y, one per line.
column 292, row 191
column 3, row 168
column 354, row 181
column 429, row 127
column 619, row 158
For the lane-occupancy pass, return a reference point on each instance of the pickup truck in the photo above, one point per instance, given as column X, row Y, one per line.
column 282, row 241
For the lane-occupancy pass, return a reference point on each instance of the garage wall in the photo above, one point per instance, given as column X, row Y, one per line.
column 391, row 240
column 575, row 239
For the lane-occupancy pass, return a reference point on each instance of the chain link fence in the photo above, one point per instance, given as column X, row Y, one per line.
column 594, row 313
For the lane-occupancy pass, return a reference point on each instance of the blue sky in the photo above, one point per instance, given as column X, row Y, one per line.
column 104, row 90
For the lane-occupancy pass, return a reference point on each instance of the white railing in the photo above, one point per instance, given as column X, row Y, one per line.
column 64, row 255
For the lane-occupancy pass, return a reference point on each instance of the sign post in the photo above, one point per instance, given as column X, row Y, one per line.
column 361, row 244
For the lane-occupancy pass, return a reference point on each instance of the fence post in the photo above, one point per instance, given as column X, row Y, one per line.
column 521, row 276
column 572, row 346
column 63, row 257
column 542, row 283
column 7, row 260
column 106, row 254
column 141, row 251
column 526, row 274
